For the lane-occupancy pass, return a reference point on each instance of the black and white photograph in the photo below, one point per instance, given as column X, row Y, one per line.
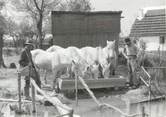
column 82, row 58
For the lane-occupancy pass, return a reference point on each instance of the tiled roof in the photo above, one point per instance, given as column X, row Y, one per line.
column 152, row 24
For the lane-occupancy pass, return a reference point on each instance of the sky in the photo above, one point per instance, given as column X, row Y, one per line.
column 130, row 9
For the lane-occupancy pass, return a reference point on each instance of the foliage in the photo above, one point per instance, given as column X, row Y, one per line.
column 2, row 3
column 2, row 31
column 76, row 5
column 26, row 29
column 19, row 32
column 38, row 10
column 12, row 27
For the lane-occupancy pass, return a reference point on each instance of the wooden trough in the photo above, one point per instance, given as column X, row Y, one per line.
column 113, row 82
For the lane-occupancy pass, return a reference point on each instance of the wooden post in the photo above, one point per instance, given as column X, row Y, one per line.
column 19, row 92
column 150, row 96
column 128, row 105
column 149, row 89
column 71, row 113
column 89, row 91
column 76, row 88
column 33, row 98
column 143, row 112
column 62, row 108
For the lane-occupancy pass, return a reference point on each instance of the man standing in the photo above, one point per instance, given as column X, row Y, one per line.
column 130, row 52
column 26, row 60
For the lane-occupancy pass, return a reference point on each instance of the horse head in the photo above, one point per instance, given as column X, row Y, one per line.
column 110, row 50
column 108, row 70
column 93, row 71
column 77, row 68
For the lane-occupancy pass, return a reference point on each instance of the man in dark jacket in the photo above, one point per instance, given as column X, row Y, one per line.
column 26, row 60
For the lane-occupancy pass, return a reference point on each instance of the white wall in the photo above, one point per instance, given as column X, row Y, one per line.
column 154, row 39
column 153, row 43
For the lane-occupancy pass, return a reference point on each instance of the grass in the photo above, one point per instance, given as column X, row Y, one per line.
column 11, row 59
column 158, row 75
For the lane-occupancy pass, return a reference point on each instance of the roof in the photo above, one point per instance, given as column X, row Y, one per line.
column 152, row 24
column 86, row 13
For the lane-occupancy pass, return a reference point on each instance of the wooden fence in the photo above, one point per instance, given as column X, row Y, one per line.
column 63, row 109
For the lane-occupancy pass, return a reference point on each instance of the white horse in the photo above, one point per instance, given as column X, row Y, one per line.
column 54, row 48
column 42, row 60
column 62, row 61
column 57, row 61
column 102, row 56
column 81, row 62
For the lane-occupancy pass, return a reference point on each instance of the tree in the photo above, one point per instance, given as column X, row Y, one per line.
column 27, row 31
column 12, row 30
column 76, row 5
column 19, row 32
column 38, row 10
column 2, row 31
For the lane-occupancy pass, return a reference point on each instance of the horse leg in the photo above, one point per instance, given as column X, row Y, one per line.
column 56, row 82
column 69, row 72
column 101, row 75
column 112, row 71
column 45, row 77
column 55, row 79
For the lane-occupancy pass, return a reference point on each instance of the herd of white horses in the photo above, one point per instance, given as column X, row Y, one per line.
column 87, row 62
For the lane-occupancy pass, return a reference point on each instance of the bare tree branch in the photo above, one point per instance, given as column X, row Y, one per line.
column 37, row 5
column 42, row 6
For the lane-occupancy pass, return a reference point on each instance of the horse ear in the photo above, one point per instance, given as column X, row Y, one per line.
column 107, row 41
column 73, row 62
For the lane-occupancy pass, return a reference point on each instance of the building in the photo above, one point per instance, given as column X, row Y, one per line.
column 151, row 27
column 85, row 28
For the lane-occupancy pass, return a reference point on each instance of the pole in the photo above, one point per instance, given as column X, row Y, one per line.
column 19, row 92
column 62, row 108
column 33, row 99
column 76, row 89
column 150, row 96
column 149, row 89
column 143, row 111
column 89, row 91
column 71, row 113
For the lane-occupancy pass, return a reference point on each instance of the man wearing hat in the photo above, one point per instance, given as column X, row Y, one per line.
column 26, row 60
column 130, row 53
